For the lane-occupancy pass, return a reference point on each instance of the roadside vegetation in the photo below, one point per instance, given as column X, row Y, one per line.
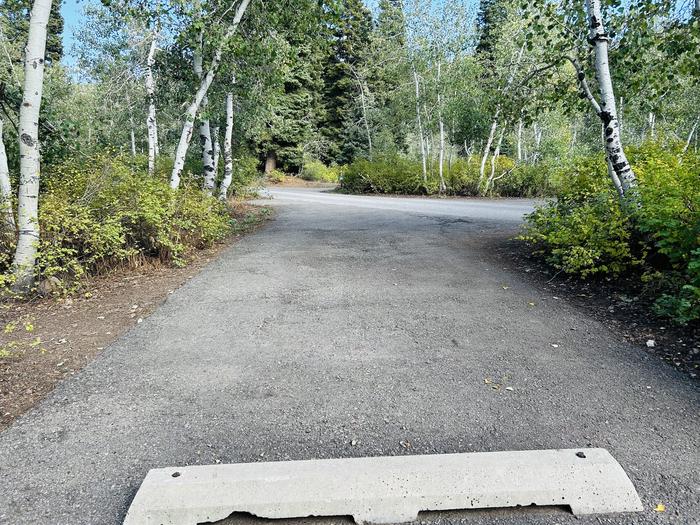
column 169, row 111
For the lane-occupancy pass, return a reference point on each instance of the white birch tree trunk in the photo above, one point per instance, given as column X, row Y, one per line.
column 363, row 103
column 132, row 136
column 423, row 155
column 151, row 121
column 5, row 188
column 520, row 140
column 217, row 149
column 228, row 150
column 191, row 112
column 494, row 159
column 209, row 176
column 692, row 132
column 207, row 154
column 607, row 110
column 487, row 148
column 441, row 155
column 29, row 161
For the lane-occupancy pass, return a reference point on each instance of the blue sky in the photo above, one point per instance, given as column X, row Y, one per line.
column 71, row 10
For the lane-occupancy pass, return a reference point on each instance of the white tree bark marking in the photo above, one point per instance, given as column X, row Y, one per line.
column 228, row 151
column 420, row 128
column 606, row 109
column 151, row 121
column 5, row 188
column 29, row 160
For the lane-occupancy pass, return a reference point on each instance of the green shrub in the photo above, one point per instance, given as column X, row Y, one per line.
column 316, row 171
column 276, row 176
column 585, row 231
column 397, row 174
column 527, row 180
column 669, row 219
column 245, row 174
column 387, row 174
column 99, row 213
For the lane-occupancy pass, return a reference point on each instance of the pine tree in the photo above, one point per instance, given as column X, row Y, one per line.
column 351, row 32
column 492, row 13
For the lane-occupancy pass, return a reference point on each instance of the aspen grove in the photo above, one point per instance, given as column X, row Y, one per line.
column 166, row 110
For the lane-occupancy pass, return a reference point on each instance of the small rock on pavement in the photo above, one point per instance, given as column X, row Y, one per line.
column 651, row 343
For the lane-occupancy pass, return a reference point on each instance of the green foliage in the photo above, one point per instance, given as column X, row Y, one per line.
column 245, row 174
column 393, row 173
column 586, row 232
column 98, row 214
column 670, row 220
column 276, row 176
column 388, row 174
column 316, row 170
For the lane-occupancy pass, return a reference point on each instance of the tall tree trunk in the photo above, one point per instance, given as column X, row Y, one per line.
column 652, row 124
column 487, row 147
column 217, row 149
column 5, row 189
column 423, row 155
column 228, row 150
column 441, row 156
column 520, row 140
column 205, row 141
column 151, row 122
column 191, row 112
column 692, row 131
column 270, row 162
column 494, row 160
column 29, row 160
column 363, row 102
column 132, row 136
column 606, row 109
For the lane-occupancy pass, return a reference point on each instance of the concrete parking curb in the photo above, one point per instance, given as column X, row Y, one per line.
column 386, row 489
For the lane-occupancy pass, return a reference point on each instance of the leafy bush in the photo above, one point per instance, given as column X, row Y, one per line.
column 245, row 174
column 388, row 174
column 316, row 170
column 276, row 176
column 527, row 180
column 585, row 232
column 670, row 221
column 98, row 214
column 397, row 174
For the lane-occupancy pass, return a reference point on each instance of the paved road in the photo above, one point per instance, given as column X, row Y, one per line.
column 355, row 319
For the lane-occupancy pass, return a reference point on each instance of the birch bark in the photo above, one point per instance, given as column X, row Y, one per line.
column 692, row 132
column 494, row 159
column 228, row 151
column 441, row 156
column 420, row 128
column 151, row 121
column 205, row 142
column 5, row 188
column 29, row 162
column 217, row 149
column 191, row 112
column 607, row 110
column 487, row 147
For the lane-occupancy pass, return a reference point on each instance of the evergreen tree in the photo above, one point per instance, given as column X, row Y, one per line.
column 350, row 41
column 492, row 13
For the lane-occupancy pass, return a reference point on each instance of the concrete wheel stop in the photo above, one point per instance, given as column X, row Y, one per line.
column 385, row 489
